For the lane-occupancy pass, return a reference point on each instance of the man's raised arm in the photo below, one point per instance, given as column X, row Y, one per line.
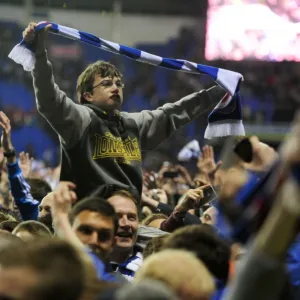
column 20, row 189
column 157, row 125
column 68, row 119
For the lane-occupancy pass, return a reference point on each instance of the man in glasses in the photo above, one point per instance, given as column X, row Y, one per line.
column 101, row 146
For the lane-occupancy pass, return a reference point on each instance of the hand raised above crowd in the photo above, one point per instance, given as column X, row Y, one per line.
column 148, row 201
column 184, row 174
column 30, row 36
column 62, row 199
column 263, row 156
column 192, row 199
column 206, row 162
column 25, row 162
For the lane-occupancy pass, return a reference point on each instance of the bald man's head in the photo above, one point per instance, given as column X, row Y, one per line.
column 45, row 216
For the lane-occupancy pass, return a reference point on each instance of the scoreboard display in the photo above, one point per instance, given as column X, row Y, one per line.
column 253, row 30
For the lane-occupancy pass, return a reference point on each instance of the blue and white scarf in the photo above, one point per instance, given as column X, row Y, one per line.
column 129, row 267
column 225, row 119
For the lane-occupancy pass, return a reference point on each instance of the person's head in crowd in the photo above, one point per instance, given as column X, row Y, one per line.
column 146, row 290
column 45, row 216
column 95, row 222
column 46, row 269
column 154, row 220
column 39, row 188
column 206, row 244
column 7, row 215
column 9, row 226
column 31, row 230
column 209, row 216
column 154, row 245
column 106, row 290
column 8, row 240
column 181, row 271
column 101, row 84
column 170, row 186
column 126, row 208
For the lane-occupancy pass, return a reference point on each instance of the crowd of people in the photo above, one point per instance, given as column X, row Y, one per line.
column 101, row 227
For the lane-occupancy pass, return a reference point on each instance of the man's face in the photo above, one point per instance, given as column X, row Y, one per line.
column 128, row 221
column 45, row 216
column 45, row 206
column 96, row 231
column 107, row 93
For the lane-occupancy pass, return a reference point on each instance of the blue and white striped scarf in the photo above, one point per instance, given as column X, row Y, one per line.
column 129, row 267
column 225, row 119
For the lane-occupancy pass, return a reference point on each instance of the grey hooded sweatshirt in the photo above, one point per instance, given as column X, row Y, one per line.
column 102, row 151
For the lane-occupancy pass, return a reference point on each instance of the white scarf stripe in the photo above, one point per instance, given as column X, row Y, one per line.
column 111, row 45
column 69, row 32
column 150, row 58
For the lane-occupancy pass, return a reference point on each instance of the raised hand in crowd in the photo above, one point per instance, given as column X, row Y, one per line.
column 192, row 199
column 25, row 162
column 206, row 164
column 184, row 175
column 30, row 36
column 63, row 198
column 149, row 201
column 263, row 156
